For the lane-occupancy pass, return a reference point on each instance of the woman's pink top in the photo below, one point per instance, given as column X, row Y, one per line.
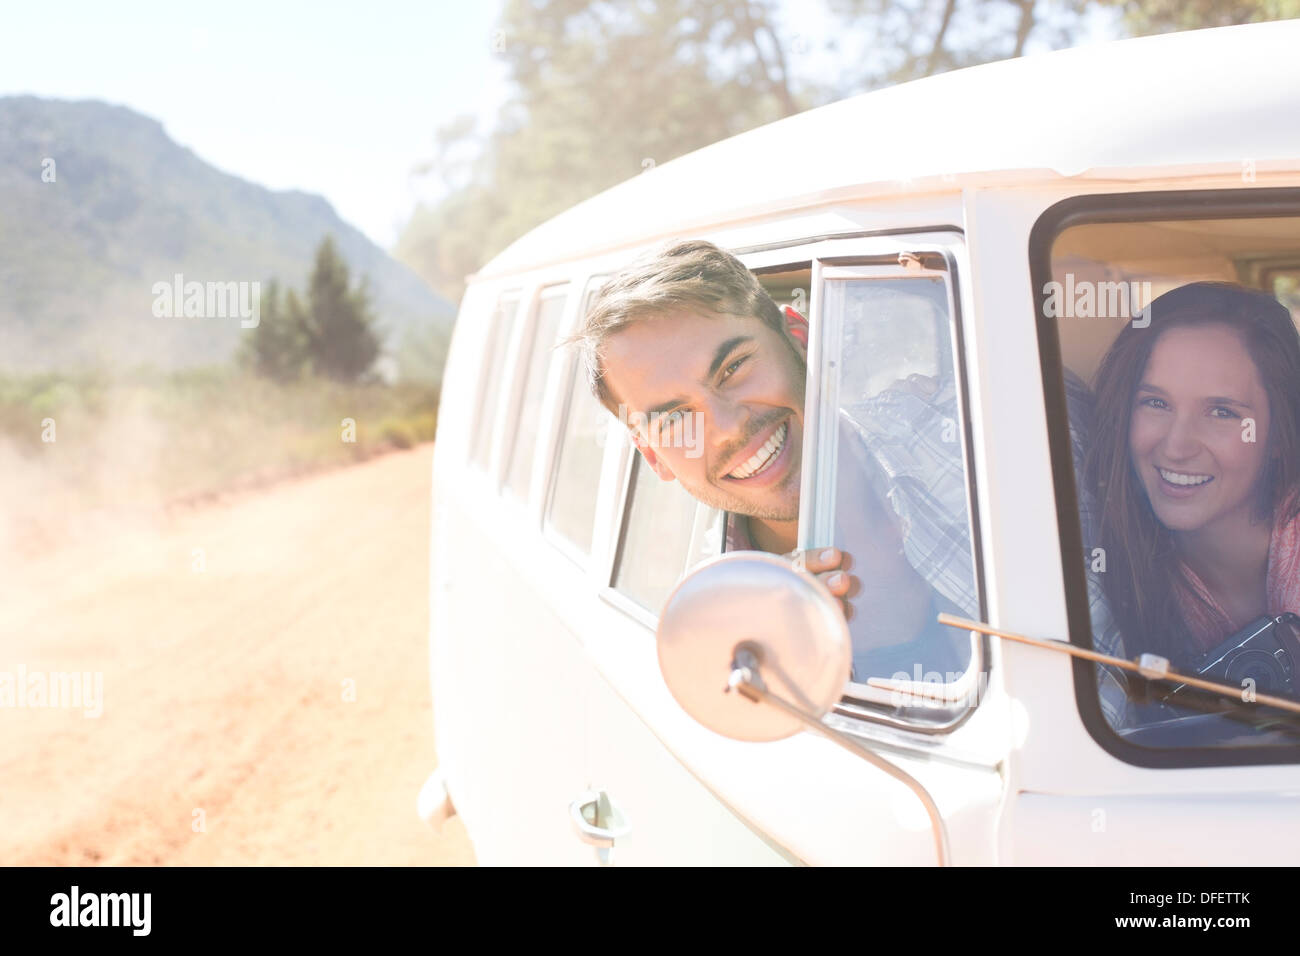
column 1210, row 624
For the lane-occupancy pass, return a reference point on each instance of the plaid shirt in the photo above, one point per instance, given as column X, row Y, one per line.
column 909, row 448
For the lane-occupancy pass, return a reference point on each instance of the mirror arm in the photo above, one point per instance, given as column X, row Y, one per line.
column 745, row 680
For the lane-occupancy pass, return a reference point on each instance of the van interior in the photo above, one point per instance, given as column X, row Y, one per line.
column 1261, row 253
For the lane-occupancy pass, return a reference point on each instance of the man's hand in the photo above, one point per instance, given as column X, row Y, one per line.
column 830, row 565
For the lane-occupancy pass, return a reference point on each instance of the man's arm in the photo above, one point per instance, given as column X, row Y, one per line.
column 1112, row 684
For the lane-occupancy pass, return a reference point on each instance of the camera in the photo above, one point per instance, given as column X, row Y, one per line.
column 1266, row 651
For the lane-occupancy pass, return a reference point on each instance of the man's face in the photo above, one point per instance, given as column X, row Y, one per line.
column 716, row 402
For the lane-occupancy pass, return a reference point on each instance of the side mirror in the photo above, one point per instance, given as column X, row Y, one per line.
column 756, row 650
column 754, row 612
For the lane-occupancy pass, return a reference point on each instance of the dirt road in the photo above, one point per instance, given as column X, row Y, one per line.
column 265, row 694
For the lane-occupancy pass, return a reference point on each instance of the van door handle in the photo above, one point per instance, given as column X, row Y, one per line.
column 597, row 821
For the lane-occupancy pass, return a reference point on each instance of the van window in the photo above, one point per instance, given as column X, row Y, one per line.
column 490, row 379
column 575, row 480
column 893, row 491
column 1178, row 386
column 571, row 511
column 538, row 351
column 655, row 545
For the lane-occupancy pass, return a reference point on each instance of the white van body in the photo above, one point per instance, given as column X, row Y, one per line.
column 545, row 679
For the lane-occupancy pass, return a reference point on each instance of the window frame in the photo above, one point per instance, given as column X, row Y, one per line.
column 1247, row 202
column 702, row 518
column 492, row 372
column 897, row 257
column 568, row 371
column 512, row 445
column 947, row 243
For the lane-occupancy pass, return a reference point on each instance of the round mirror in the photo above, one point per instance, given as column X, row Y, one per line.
column 794, row 626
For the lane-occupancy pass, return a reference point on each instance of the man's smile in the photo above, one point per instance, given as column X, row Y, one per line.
column 757, row 463
column 765, row 460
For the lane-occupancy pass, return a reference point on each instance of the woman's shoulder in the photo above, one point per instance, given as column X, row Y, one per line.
column 1284, row 562
column 1286, row 524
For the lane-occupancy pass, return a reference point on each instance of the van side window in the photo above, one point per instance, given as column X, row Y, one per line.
column 539, row 349
column 494, row 357
column 1179, row 381
column 571, row 510
column 891, row 459
column 575, row 480
column 656, row 541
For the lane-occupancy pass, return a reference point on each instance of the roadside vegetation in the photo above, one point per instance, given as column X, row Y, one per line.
column 181, row 434
column 301, row 395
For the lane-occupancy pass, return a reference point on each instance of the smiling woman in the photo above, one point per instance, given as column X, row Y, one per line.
column 1196, row 454
column 1185, row 454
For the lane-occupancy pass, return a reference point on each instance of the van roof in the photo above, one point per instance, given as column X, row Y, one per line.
column 1199, row 98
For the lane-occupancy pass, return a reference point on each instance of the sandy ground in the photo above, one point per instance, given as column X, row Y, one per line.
column 265, row 685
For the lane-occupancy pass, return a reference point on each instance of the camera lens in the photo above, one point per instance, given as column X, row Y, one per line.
column 1259, row 667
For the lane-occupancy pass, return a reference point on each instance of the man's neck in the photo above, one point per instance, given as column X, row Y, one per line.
column 774, row 537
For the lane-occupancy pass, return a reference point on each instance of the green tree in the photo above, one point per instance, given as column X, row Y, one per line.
column 1160, row 16
column 600, row 92
column 338, row 323
column 909, row 39
column 277, row 347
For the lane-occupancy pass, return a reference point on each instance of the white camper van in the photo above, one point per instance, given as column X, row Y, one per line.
column 991, row 230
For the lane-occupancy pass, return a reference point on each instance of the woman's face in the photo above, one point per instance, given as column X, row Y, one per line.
column 1190, row 435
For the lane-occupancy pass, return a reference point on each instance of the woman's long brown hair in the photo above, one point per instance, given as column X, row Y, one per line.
column 1143, row 575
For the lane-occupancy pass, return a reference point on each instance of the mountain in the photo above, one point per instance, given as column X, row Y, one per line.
column 127, row 208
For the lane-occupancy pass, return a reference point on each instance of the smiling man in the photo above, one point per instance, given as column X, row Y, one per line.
column 689, row 351
column 694, row 356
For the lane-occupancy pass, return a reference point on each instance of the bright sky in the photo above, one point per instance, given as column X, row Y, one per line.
column 340, row 99
column 336, row 98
